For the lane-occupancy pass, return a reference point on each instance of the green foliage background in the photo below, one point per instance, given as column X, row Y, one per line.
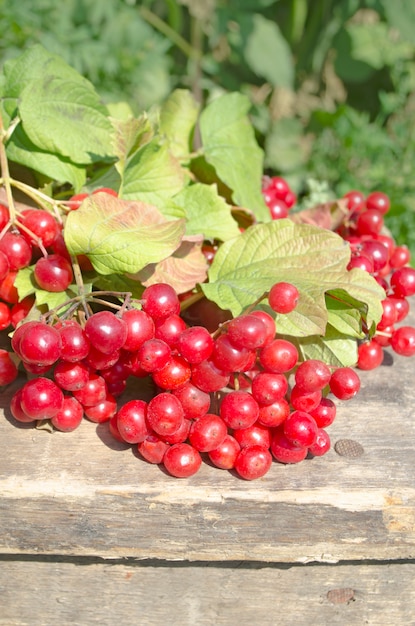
column 331, row 82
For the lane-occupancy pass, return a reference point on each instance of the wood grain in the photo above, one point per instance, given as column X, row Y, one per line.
column 82, row 493
column 65, row 593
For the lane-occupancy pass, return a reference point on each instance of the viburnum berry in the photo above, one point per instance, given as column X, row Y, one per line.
column 369, row 355
column 344, row 383
column 103, row 411
column 106, row 331
column 228, row 357
column 195, row 344
column 239, row 409
column 403, row 341
column 8, row 368
column 273, row 415
column 40, row 344
column 283, row 297
column 153, row 355
column 53, row 273
column 322, row 443
column 169, row 328
column 175, row 373
column 325, row 413
column 224, row 456
column 269, row 322
column 93, row 392
column 160, row 300
column 207, row 377
column 182, row 460
column 153, row 449
column 300, row 428
column 41, row 224
column 257, row 434
column 164, row 413
column 140, row 328
column 247, row 331
column 131, row 421
column 69, row 416
column 402, row 282
column 268, row 387
column 17, row 250
column 279, row 356
column 41, row 398
column 253, row 462
column 180, row 435
column 312, row 375
column 285, row 451
column 208, row 432
column 74, row 343
column 379, row 201
column 304, row 401
column 194, row 401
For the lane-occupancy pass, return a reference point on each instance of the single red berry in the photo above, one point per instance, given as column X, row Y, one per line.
column 283, row 297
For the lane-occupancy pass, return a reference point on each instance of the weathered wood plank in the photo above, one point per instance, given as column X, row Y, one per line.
column 81, row 493
column 44, row 593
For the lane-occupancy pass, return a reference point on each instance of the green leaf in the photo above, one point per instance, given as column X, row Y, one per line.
column 152, row 175
column 206, row 212
column 344, row 318
column 230, row 146
column 313, row 259
column 267, row 52
column 66, row 117
column 334, row 348
column 21, row 150
column 120, row 236
column 119, row 282
column 32, row 65
column 178, row 117
column 25, row 283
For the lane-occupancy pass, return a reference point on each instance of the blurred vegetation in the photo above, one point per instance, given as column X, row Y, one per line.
column 332, row 82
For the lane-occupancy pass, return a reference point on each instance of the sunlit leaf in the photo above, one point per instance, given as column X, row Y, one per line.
column 120, row 236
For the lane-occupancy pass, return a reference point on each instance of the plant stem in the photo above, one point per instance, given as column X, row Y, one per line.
column 167, row 31
column 4, row 165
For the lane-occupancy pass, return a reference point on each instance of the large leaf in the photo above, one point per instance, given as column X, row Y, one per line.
column 33, row 65
column 178, row 117
column 21, row 150
column 66, row 117
column 334, row 348
column 183, row 270
column 120, row 236
column 206, row 212
column 152, row 175
column 230, row 146
column 313, row 259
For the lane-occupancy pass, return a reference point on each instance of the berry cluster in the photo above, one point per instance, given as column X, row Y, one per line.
column 373, row 251
column 240, row 395
column 378, row 254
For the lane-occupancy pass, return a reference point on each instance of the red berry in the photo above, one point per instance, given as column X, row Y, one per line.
column 253, row 462
column 283, row 297
column 182, row 460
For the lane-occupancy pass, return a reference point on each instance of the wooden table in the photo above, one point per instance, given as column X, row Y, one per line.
column 91, row 534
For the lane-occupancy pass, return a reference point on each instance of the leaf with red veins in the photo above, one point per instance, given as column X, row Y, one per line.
column 328, row 215
column 121, row 236
column 183, row 270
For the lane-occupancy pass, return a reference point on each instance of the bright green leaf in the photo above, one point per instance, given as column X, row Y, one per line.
column 206, row 212
column 334, row 348
column 66, row 117
column 178, row 117
column 313, row 259
column 120, row 236
column 152, row 175
column 230, row 146
column 21, row 150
